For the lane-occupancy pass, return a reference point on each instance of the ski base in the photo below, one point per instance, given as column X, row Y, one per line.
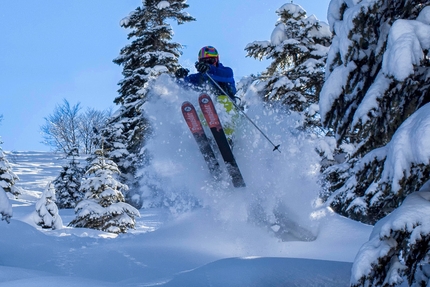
column 196, row 128
column 218, row 133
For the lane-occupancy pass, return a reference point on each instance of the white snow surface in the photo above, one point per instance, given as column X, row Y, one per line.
column 214, row 245
column 194, row 249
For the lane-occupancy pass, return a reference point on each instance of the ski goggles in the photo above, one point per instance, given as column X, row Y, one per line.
column 209, row 61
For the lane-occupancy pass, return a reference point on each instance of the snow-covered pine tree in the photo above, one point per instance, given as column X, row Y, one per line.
column 298, row 49
column 47, row 211
column 377, row 77
column 5, row 206
column 7, row 181
column 103, row 206
column 7, row 177
column 150, row 53
column 68, row 182
column 398, row 248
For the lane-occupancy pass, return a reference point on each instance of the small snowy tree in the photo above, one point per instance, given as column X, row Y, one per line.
column 7, row 184
column 298, row 49
column 68, row 183
column 103, row 206
column 5, row 206
column 151, row 53
column 7, row 177
column 377, row 77
column 47, row 210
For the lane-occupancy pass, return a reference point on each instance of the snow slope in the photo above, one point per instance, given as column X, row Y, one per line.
column 189, row 251
column 213, row 245
column 193, row 249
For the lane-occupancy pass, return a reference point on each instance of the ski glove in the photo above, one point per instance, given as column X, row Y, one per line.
column 181, row 73
column 202, row 67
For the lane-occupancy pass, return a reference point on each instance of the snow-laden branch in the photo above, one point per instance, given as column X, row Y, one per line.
column 407, row 41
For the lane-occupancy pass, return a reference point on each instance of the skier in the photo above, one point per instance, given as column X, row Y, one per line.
column 208, row 62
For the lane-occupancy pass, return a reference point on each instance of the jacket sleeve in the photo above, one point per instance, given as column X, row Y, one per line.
column 223, row 74
column 193, row 79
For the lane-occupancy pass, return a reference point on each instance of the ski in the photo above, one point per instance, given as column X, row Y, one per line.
column 216, row 128
column 196, row 128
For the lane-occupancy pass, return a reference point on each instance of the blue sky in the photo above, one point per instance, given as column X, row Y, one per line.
column 53, row 50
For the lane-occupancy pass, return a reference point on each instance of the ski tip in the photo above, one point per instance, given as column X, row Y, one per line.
column 204, row 98
column 277, row 147
column 203, row 95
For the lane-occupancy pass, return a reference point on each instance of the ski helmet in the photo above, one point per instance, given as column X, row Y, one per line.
column 208, row 52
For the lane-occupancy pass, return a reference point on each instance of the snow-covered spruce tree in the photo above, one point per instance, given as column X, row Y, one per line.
column 7, row 177
column 398, row 248
column 377, row 77
column 5, row 206
column 47, row 211
column 298, row 49
column 68, row 182
column 150, row 53
column 7, row 180
column 103, row 206
column 399, row 244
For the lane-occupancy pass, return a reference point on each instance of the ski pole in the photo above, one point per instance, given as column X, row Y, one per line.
column 275, row 147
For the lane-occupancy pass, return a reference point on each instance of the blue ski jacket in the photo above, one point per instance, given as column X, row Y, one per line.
column 222, row 75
